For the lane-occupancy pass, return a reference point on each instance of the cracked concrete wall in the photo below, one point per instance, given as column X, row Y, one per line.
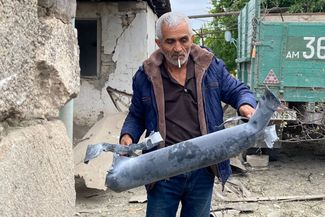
column 39, row 68
column 127, row 39
column 36, row 171
column 39, row 73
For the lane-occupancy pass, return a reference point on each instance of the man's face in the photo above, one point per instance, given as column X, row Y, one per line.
column 175, row 43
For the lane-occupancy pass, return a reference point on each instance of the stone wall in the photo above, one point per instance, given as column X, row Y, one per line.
column 39, row 73
column 39, row 61
column 36, row 171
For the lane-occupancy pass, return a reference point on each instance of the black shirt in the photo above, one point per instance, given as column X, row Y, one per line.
column 181, row 110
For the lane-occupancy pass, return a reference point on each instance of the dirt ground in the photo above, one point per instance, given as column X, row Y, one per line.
column 294, row 185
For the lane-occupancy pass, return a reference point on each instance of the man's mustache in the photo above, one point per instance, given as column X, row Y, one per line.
column 178, row 55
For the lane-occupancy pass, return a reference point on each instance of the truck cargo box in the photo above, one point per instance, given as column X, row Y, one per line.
column 285, row 52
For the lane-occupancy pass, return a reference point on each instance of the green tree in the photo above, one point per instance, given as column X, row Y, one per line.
column 296, row 6
column 214, row 31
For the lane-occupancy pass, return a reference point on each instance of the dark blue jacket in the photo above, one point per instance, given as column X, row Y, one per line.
column 214, row 85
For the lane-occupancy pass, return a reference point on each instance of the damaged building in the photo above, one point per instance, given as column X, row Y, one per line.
column 40, row 73
column 114, row 38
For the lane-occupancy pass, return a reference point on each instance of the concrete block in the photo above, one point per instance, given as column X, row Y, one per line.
column 36, row 171
column 39, row 68
column 64, row 10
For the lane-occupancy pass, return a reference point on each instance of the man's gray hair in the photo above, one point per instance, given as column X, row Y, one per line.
column 172, row 19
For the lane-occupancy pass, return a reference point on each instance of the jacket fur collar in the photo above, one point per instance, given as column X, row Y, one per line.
column 202, row 58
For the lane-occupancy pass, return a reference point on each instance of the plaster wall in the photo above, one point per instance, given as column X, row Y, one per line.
column 127, row 31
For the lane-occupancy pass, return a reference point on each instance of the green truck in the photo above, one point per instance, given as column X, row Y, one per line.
column 286, row 53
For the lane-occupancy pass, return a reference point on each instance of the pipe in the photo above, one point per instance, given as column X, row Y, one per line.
column 66, row 111
column 66, row 116
column 199, row 152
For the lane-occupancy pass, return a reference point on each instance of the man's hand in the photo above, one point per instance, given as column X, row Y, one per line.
column 126, row 139
column 246, row 111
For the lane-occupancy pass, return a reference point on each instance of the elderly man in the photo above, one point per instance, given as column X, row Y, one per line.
column 178, row 91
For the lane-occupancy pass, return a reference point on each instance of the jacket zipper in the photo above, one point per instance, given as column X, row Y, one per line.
column 154, row 101
column 206, row 118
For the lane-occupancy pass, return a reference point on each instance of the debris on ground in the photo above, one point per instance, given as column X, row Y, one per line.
column 94, row 173
column 138, row 198
column 291, row 186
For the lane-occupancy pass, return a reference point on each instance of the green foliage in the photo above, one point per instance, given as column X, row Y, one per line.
column 215, row 35
column 296, row 6
column 223, row 50
column 214, row 31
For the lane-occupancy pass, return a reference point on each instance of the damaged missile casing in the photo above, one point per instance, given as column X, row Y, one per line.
column 95, row 150
column 199, row 152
